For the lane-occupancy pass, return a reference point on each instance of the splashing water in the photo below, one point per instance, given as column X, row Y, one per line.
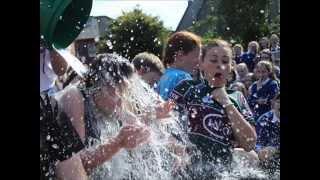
column 154, row 160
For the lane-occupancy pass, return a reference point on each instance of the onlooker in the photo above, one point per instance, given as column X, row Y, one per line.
column 265, row 55
column 263, row 90
column 242, row 71
column 149, row 67
column 237, row 52
column 268, row 134
column 248, row 80
column 264, row 43
column 182, row 56
column 275, row 47
column 250, row 57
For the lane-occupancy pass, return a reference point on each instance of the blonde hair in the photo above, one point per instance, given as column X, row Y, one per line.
column 256, row 44
column 270, row 68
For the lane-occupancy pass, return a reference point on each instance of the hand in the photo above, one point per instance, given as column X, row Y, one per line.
column 131, row 136
column 162, row 111
column 266, row 153
column 220, row 95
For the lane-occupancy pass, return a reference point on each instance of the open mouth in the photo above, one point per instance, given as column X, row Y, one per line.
column 218, row 75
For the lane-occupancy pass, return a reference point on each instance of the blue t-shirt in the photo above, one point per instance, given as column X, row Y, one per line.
column 169, row 80
column 268, row 131
column 249, row 59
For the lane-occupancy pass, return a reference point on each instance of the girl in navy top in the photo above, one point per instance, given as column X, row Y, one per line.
column 264, row 89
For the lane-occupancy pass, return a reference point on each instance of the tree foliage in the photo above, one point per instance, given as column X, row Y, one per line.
column 134, row 32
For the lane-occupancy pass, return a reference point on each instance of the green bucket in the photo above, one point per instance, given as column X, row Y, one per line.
column 61, row 21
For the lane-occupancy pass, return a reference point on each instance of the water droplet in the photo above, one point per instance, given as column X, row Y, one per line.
column 228, row 28
column 132, row 38
column 261, row 11
column 55, row 146
column 166, row 90
column 48, row 137
column 60, row 17
column 42, row 37
column 237, row 130
column 131, row 31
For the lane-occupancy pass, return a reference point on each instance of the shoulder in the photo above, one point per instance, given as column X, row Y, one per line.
column 264, row 118
column 184, row 85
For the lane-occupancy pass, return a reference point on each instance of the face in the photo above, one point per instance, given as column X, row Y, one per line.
column 237, row 51
column 107, row 99
column 242, row 71
column 273, row 40
column 190, row 61
column 264, row 43
column 264, row 57
column 261, row 72
column 151, row 77
column 252, row 47
column 247, row 81
column 216, row 65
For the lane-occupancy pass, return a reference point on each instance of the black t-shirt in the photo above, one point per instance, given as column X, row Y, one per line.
column 58, row 138
column 208, row 125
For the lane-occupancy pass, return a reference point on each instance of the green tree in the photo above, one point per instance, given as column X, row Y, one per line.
column 134, row 32
column 245, row 19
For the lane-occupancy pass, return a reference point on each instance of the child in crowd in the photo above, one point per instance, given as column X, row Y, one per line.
column 264, row 43
column 182, row 56
column 250, row 57
column 248, row 80
column 242, row 71
column 264, row 89
column 265, row 55
column 237, row 52
column 149, row 67
column 268, row 134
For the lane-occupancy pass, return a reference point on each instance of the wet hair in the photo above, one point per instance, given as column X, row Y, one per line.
column 148, row 61
column 180, row 41
column 268, row 65
column 107, row 69
column 215, row 43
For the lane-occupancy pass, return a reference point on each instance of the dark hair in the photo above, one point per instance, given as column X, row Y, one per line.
column 180, row 41
column 108, row 69
column 148, row 61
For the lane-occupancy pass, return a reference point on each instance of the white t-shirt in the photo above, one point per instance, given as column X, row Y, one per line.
column 47, row 75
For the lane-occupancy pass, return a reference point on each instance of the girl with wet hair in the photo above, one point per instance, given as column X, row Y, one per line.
column 91, row 105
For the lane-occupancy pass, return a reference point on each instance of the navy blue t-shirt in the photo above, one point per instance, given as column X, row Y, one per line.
column 250, row 60
column 268, row 91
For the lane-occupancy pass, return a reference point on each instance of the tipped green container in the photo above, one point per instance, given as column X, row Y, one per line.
column 61, row 21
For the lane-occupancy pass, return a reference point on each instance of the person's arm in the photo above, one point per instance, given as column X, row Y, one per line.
column 71, row 169
column 244, row 133
column 59, row 65
column 129, row 137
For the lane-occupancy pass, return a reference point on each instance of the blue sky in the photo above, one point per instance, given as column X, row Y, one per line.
column 169, row 11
